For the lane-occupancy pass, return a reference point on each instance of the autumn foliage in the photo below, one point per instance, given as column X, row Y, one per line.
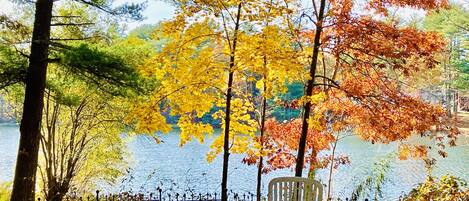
column 352, row 57
column 374, row 57
column 368, row 60
column 281, row 142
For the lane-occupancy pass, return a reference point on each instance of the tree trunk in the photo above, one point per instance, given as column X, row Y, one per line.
column 309, row 91
column 226, row 140
column 226, row 148
column 57, row 191
column 329, row 182
column 313, row 163
column 261, row 161
column 26, row 164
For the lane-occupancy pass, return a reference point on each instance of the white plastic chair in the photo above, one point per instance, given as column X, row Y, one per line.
column 294, row 189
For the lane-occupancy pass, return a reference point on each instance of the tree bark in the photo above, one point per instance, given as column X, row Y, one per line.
column 226, row 140
column 309, row 92
column 26, row 164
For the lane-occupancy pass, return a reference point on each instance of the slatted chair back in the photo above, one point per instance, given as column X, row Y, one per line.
column 294, row 189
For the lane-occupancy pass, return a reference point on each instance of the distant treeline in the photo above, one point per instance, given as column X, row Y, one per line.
column 278, row 110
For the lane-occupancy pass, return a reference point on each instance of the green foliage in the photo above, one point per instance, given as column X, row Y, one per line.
column 56, row 86
column 126, row 10
column 98, row 66
column 448, row 188
column 143, row 32
column 79, row 120
column 12, row 67
column 450, row 22
column 454, row 25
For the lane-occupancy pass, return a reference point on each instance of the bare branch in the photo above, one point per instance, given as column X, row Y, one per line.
column 329, row 79
column 66, row 16
column 70, row 39
column 72, row 24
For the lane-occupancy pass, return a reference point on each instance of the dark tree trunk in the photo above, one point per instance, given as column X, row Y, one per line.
column 26, row 164
column 226, row 147
column 309, row 91
column 57, row 191
column 261, row 159
column 259, row 178
column 226, row 140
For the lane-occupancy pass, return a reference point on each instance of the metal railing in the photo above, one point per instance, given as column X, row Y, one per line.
column 160, row 195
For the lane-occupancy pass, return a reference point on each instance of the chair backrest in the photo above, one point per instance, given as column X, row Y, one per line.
column 294, row 189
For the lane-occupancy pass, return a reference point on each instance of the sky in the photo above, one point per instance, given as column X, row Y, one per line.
column 158, row 10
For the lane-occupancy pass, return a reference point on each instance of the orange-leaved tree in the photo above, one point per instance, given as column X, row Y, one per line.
column 369, row 54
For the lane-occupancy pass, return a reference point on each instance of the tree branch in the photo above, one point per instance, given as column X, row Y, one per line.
column 72, row 24
column 329, row 79
column 70, row 39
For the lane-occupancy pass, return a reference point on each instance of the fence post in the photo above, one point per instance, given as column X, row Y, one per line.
column 97, row 195
column 159, row 190
column 215, row 197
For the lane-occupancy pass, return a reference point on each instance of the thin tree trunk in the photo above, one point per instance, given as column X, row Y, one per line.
column 261, row 159
column 26, row 164
column 313, row 163
column 226, row 140
column 309, row 92
column 329, row 182
column 259, row 178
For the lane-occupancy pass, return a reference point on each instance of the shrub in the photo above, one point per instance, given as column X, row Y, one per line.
column 448, row 188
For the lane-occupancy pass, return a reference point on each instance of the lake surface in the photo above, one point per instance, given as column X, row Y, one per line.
column 181, row 168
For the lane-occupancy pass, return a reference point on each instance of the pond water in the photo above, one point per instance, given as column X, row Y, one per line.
column 171, row 166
